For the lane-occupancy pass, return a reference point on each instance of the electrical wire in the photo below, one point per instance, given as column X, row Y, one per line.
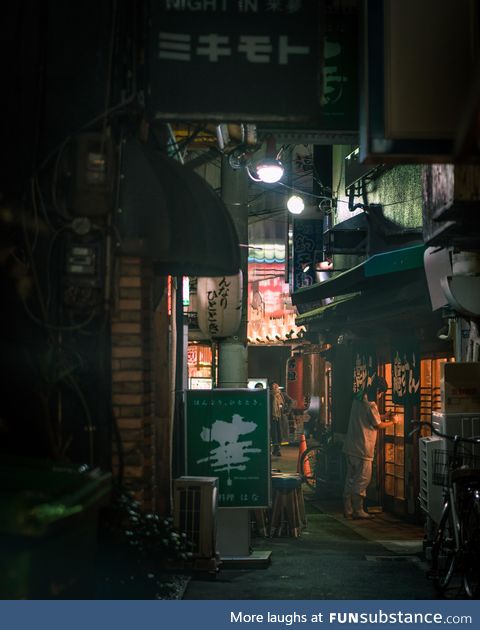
column 48, row 262
column 53, row 341
column 61, row 328
column 394, row 203
column 340, row 178
column 56, row 167
column 88, row 124
column 35, row 215
column 36, row 190
column 266, row 218
column 326, row 198
column 88, row 415
column 108, row 82
column 38, row 205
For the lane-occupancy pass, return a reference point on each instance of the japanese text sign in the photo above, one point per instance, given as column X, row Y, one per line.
column 307, row 249
column 245, row 60
column 364, row 367
column 405, row 372
column 227, row 436
column 219, row 304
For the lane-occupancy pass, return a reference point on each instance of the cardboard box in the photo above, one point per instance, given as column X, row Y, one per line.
column 460, row 387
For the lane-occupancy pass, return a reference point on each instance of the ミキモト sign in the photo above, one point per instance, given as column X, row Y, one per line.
column 247, row 60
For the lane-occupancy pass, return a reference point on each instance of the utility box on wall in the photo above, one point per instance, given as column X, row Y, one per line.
column 460, row 387
column 91, row 175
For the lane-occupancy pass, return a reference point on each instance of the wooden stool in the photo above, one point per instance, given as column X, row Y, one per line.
column 259, row 521
column 288, row 509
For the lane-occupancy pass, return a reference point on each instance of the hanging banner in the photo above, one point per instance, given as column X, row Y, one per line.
column 219, row 305
column 227, row 436
column 364, row 367
column 222, row 60
column 405, row 372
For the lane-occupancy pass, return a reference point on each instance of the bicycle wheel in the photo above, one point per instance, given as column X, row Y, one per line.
column 470, row 537
column 313, row 466
column 443, row 552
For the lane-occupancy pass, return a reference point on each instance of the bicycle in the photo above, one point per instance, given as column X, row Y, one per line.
column 456, row 543
column 322, row 466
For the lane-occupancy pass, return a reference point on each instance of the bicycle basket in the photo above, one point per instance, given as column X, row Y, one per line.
column 443, row 462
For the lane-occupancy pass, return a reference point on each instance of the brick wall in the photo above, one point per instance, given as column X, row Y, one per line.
column 132, row 332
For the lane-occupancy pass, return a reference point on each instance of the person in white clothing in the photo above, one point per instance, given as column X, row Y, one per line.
column 359, row 447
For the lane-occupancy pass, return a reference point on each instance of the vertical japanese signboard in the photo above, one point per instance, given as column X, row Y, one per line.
column 307, row 250
column 340, row 73
column 247, row 60
column 405, row 372
column 364, row 367
column 227, row 436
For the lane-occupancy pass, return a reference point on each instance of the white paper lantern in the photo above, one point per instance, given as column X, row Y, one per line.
column 219, row 305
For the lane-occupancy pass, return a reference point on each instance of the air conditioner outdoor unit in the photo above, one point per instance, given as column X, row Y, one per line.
column 464, row 424
column 431, row 493
column 195, row 514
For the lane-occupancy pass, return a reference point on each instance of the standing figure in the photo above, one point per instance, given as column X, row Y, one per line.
column 277, row 404
column 359, row 447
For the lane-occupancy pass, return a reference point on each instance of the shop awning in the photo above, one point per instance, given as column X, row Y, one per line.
column 328, row 310
column 402, row 261
column 171, row 216
column 375, row 312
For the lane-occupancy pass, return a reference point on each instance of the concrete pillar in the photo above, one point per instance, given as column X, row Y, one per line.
column 232, row 352
column 232, row 364
column 233, row 534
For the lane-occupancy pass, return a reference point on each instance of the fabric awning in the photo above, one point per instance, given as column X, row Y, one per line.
column 375, row 313
column 170, row 215
column 399, row 261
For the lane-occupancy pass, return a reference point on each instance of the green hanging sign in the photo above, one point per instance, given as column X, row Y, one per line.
column 405, row 372
column 227, row 436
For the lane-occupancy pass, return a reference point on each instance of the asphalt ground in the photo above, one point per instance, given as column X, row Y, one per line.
column 333, row 558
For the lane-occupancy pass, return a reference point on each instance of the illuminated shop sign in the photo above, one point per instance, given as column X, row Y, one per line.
column 224, row 60
column 227, row 436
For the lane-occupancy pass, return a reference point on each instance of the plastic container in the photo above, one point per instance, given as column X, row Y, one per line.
column 48, row 528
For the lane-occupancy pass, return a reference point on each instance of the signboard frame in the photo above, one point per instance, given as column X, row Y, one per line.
column 225, row 417
column 245, row 52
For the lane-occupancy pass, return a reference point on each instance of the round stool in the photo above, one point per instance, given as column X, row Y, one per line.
column 288, row 509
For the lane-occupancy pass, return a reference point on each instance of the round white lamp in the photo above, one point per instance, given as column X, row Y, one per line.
column 295, row 204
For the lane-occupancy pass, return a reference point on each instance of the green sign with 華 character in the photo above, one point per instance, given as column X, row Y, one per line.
column 227, row 436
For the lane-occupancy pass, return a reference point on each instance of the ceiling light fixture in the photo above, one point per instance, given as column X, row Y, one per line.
column 268, row 170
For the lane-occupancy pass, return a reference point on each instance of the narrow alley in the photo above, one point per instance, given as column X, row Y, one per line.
column 333, row 558
column 239, row 307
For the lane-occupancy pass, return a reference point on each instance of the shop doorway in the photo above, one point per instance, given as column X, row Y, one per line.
column 397, row 465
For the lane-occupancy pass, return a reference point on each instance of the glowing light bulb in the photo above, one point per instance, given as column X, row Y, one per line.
column 295, row 204
column 270, row 172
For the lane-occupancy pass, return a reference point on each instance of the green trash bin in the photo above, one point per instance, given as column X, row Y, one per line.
column 48, row 528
